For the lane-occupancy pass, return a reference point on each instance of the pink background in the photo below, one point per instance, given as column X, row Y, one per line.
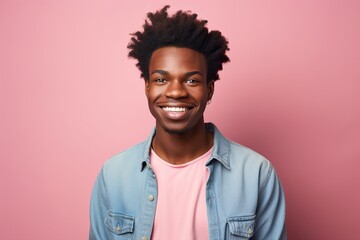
column 70, row 99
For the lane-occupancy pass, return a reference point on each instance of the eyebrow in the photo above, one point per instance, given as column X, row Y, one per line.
column 193, row 73
column 188, row 74
column 162, row 72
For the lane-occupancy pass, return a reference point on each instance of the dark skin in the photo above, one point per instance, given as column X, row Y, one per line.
column 177, row 92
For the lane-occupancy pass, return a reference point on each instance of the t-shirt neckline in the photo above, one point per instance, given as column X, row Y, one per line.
column 205, row 155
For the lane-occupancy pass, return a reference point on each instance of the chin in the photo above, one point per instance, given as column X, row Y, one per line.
column 175, row 129
column 179, row 127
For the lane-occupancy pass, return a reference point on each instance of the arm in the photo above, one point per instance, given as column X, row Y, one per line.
column 270, row 220
column 98, row 210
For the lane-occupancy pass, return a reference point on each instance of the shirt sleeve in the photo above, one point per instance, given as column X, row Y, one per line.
column 270, row 219
column 98, row 210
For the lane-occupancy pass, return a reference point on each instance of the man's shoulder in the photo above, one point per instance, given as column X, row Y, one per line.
column 236, row 156
column 130, row 156
column 242, row 156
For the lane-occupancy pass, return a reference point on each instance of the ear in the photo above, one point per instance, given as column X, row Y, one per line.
column 211, row 88
column 146, row 87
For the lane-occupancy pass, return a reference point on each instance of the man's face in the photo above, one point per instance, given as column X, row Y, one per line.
column 177, row 88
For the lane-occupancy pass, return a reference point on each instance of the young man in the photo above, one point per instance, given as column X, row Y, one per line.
column 186, row 181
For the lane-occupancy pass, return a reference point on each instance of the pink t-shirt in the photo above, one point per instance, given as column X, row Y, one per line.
column 181, row 212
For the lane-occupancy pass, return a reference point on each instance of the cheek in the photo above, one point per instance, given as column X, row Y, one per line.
column 200, row 95
column 154, row 93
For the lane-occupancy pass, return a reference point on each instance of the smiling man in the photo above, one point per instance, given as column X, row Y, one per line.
column 186, row 181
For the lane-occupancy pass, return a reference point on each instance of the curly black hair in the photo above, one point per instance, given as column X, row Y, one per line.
column 183, row 29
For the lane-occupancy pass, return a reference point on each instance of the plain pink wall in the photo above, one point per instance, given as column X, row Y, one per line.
column 70, row 99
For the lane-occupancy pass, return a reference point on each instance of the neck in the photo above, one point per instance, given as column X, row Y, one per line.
column 179, row 148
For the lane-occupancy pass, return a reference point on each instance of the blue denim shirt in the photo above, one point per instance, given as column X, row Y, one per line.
column 244, row 196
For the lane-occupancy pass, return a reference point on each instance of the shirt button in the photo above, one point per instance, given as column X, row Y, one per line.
column 151, row 198
column 118, row 228
column 250, row 231
column 144, row 238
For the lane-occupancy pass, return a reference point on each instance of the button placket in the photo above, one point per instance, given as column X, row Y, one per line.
column 147, row 219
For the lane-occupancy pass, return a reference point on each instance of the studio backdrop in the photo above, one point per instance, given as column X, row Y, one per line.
column 70, row 99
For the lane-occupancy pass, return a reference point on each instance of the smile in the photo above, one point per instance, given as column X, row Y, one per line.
column 175, row 109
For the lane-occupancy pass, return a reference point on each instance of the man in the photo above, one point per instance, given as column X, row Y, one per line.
column 186, row 181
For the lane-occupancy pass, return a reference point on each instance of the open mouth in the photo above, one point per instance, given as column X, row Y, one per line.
column 176, row 113
column 175, row 109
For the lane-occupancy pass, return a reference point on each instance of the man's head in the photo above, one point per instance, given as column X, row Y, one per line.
column 183, row 29
column 179, row 59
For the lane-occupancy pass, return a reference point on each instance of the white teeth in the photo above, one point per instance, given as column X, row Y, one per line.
column 174, row 109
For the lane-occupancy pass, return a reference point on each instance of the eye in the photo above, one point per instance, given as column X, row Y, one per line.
column 160, row 80
column 192, row 81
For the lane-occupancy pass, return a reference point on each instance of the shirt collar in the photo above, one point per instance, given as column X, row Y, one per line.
column 221, row 150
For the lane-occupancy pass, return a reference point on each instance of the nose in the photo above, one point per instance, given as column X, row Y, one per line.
column 176, row 90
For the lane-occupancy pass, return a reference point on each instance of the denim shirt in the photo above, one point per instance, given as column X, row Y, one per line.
column 244, row 196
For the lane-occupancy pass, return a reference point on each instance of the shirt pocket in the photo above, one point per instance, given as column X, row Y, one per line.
column 241, row 227
column 120, row 224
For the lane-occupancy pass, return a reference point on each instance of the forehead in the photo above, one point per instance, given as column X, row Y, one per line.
column 176, row 59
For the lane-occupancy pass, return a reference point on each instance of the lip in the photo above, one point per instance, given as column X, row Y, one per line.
column 175, row 109
column 180, row 105
column 176, row 115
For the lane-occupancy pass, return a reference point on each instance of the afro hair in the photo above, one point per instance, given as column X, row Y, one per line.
column 183, row 29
